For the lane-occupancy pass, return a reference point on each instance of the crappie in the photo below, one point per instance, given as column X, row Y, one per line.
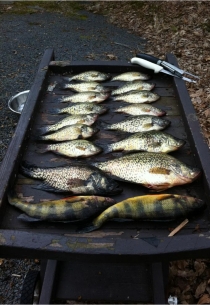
column 150, row 141
column 73, row 132
column 148, row 207
column 140, row 109
column 73, row 149
column 139, row 124
column 82, row 97
column 86, row 86
column 137, row 97
column 131, row 76
column 80, row 108
column 88, row 119
column 73, row 208
column 135, row 85
column 74, row 179
column 156, row 171
column 90, row 76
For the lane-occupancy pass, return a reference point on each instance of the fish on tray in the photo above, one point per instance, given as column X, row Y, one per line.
column 72, row 132
column 141, row 109
column 131, row 76
column 87, row 119
column 75, row 208
column 89, row 76
column 137, row 97
column 156, row 171
column 83, row 97
column 150, row 141
column 80, row 179
column 86, row 86
column 139, row 123
column 73, row 149
column 135, row 85
column 148, row 207
column 80, row 108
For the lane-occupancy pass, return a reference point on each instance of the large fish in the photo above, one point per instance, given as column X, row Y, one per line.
column 148, row 207
column 82, row 97
column 72, row 132
column 74, row 179
column 80, row 108
column 88, row 119
column 139, row 124
column 75, row 208
column 89, row 76
column 151, row 141
column 131, row 76
column 135, row 85
column 73, row 149
column 140, row 109
column 137, row 97
column 156, row 171
column 86, row 86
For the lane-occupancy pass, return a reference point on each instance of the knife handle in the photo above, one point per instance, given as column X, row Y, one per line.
column 148, row 57
column 146, row 64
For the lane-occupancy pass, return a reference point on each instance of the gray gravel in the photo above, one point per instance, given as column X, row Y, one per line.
column 23, row 40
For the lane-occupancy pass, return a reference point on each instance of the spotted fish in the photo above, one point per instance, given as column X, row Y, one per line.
column 89, row 76
column 74, row 179
column 156, row 171
column 135, row 85
column 75, row 208
column 131, row 76
column 141, row 109
column 80, row 108
column 86, row 86
column 148, row 207
column 81, row 97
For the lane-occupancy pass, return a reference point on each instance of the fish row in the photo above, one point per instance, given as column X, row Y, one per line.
column 80, row 208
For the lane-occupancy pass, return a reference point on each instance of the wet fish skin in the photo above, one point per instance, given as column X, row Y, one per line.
column 80, row 179
column 156, row 171
column 72, row 132
column 150, row 141
column 74, row 208
column 139, row 123
column 135, row 85
column 86, row 86
column 137, row 97
column 88, row 119
column 148, row 207
column 141, row 109
column 89, row 76
column 73, row 149
column 90, row 97
column 131, row 76
column 80, row 108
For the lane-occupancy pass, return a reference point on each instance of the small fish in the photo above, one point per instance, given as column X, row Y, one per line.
column 75, row 208
column 156, row 171
column 73, row 132
column 80, row 108
column 88, row 119
column 90, row 76
column 137, row 97
column 150, row 141
column 131, row 76
column 78, row 179
column 73, row 149
column 86, row 86
column 148, row 207
column 139, row 123
column 83, row 97
column 140, row 109
column 135, row 85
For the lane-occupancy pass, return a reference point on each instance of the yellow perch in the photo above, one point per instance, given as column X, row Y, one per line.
column 148, row 207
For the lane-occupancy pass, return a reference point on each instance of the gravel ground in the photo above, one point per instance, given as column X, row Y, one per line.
column 23, row 40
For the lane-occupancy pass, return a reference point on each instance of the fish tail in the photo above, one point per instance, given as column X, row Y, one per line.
column 43, row 130
column 54, row 111
column 42, row 150
column 105, row 126
column 67, row 79
column 31, row 170
column 87, row 228
column 106, row 148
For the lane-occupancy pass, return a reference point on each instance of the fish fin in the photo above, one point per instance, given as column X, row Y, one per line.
column 42, row 150
column 159, row 170
column 46, row 187
column 105, row 147
column 164, row 196
column 43, row 130
column 159, row 187
column 26, row 218
column 67, row 79
column 87, row 228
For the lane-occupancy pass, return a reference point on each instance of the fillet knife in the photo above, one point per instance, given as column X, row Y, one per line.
column 157, row 68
